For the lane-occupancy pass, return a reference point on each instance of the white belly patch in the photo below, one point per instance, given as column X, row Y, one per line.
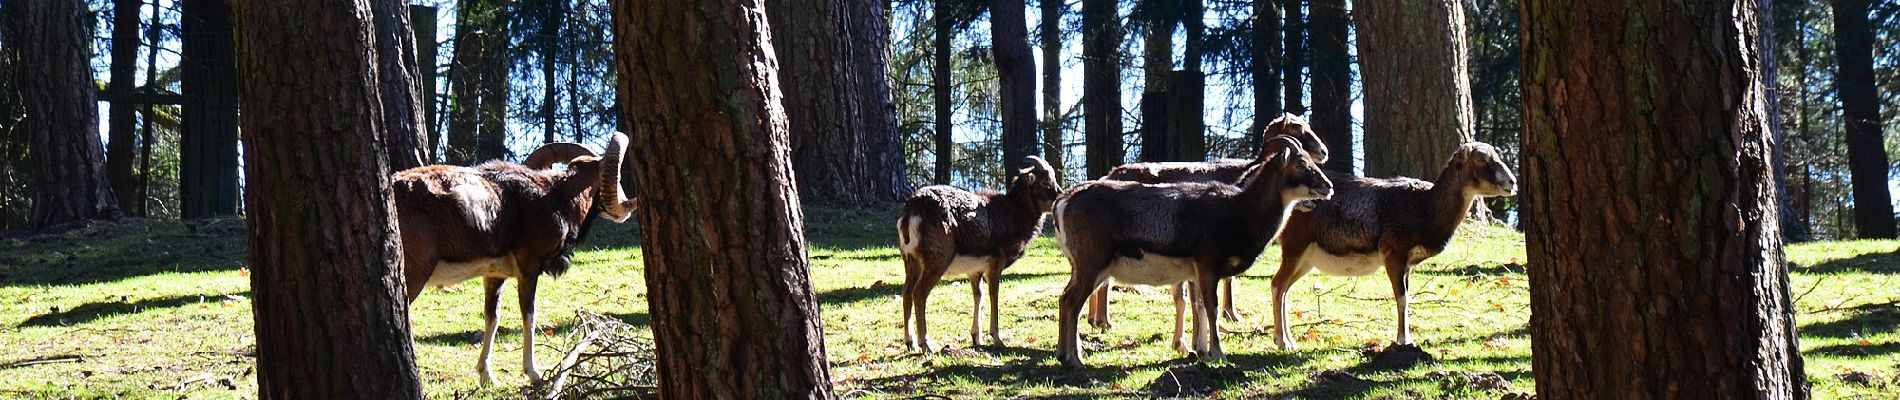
column 449, row 273
column 1343, row 265
column 965, row 265
column 1151, row 270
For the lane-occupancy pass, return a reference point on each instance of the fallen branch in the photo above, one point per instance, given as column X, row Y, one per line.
column 566, row 367
column 43, row 360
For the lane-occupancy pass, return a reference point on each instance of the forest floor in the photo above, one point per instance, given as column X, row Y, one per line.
column 146, row 309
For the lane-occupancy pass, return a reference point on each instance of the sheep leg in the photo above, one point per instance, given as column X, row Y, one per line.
column 1291, row 269
column 1179, row 292
column 1098, row 309
column 976, row 309
column 491, row 299
column 1082, row 280
column 1398, row 269
column 920, row 299
column 995, row 281
column 1207, row 318
column 912, row 269
column 1227, row 300
column 524, row 291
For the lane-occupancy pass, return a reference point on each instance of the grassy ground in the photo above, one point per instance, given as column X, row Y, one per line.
column 147, row 309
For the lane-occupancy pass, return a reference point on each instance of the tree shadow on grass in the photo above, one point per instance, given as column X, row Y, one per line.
column 105, row 252
column 1025, row 367
column 881, row 289
column 93, row 311
column 512, row 324
column 1875, row 263
column 1875, row 319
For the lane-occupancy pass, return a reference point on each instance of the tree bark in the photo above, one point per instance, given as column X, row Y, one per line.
column 726, row 268
column 1016, row 75
column 147, row 137
column 940, row 91
column 1292, row 71
column 399, row 83
column 1860, row 109
column 1267, row 61
column 316, row 168
column 62, row 118
column 835, row 58
column 1101, row 85
column 1332, row 82
column 1158, row 19
column 120, row 149
column 208, row 154
column 1659, row 270
column 478, row 81
column 1412, row 59
column 423, row 21
column 1053, row 150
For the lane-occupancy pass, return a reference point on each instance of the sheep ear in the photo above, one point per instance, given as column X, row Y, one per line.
column 1284, row 158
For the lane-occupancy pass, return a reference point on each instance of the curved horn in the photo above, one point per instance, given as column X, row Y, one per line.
column 553, row 153
column 614, row 204
column 1275, row 144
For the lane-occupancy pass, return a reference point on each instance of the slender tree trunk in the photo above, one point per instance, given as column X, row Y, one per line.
column 726, row 266
column 1052, row 124
column 1860, row 109
column 62, row 120
column 1417, row 87
column 940, row 93
column 208, row 148
column 1267, row 61
column 1158, row 19
column 1101, row 85
column 15, row 194
column 148, row 138
column 120, row 148
column 1016, row 73
column 551, row 16
column 1660, row 270
column 399, row 83
column 478, row 81
column 317, row 168
column 1187, row 89
column 1292, row 71
column 1332, row 82
column 495, row 84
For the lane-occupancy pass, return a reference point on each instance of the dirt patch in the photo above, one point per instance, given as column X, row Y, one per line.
column 1452, row 381
column 1396, row 357
column 1192, row 380
column 1334, row 376
column 1859, row 378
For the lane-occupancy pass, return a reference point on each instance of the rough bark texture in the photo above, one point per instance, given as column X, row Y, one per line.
column 1657, row 264
column 62, row 119
column 1101, row 85
column 1266, row 70
column 1016, row 75
column 478, row 83
column 834, row 56
column 1187, row 94
column 1292, row 72
column 940, row 91
column 1860, row 108
column 320, row 214
column 1332, row 83
column 399, row 82
column 120, row 149
column 1417, row 93
column 208, row 155
column 423, row 21
column 729, row 288
column 1052, row 143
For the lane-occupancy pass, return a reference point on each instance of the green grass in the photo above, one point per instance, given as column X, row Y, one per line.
column 150, row 305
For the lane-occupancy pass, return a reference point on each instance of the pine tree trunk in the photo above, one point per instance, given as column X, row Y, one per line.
column 1332, row 83
column 120, row 149
column 147, row 137
column 1266, row 69
column 1860, row 108
column 422, row 20
column 1658, row 269
column 940, row 91
column 208, row 148
column 1187, row 89
column 1292, row 72
column 399, row 83
column 316, row 168
column 1412, row 58
column 1101, row 85
column 726, row 268
column 62, row 118
column 1016, row 73
column 1158, row 18
column 1052, row 143
column 552, row 14
column 834, row 57
column 479, row 83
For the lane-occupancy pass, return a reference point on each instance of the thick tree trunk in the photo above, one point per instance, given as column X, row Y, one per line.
column 1016, row 73
column 940, row 91
column 1101, row 86
column 1860, row 108
column 1659, row 264
column 208, row 151
column 1412, row 58
column 1332, row 83
column 1266, row 70
column 834, row 57
column 399, row 83
column 1187, row 89
column 423, row 21
column 62, row 118
column 1292, row 71
column 316, row 168
column 1158, row 19
column 1053, row 150
column 120, row 149
column 726, row 268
